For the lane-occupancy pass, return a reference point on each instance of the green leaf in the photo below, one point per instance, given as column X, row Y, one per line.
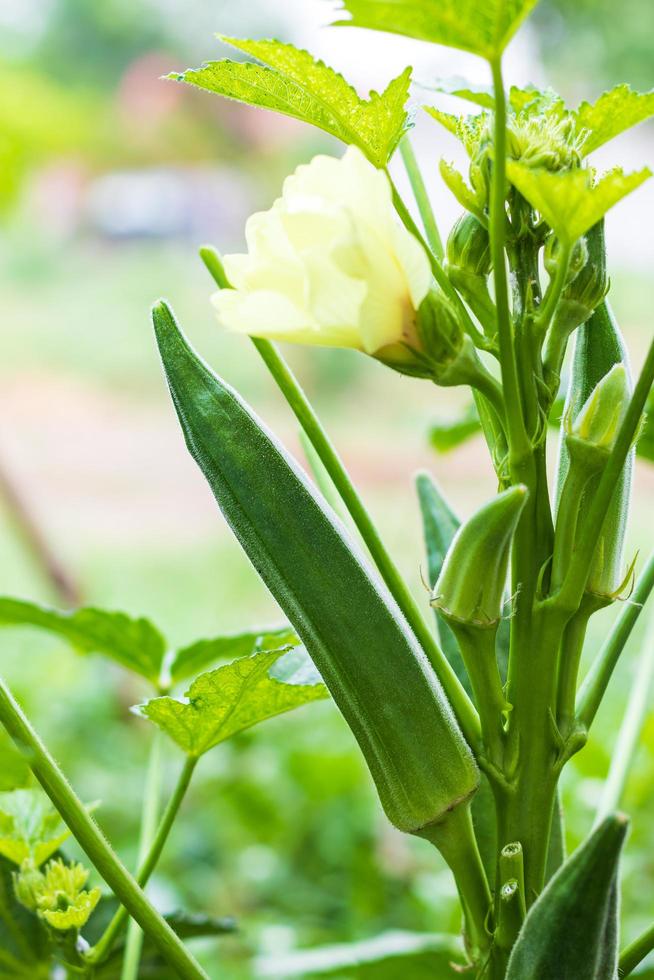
column 570, row 201
column 226, row 701
column 481, row 95
column 439, row 525
column 297, row 85
column 420, row 956
column 483, row 27
column 445, row 436
column 30, row 827
column 187, row 925
column 467, row 129
column 133, row 643
column 190, row 660
column 614, row 112
column 369, row 659
column 464, row 194
column 571, row 929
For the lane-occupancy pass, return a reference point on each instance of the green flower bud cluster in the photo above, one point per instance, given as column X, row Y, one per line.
column 544, row 141
column 57, row 894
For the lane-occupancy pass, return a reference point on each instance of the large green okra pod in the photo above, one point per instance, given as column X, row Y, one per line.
column 370, row 661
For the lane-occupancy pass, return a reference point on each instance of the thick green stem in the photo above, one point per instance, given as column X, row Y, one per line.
column 477, row 648
column 104, row 945
column 597, row 679
column 149, row 815
column 455, row 839
column 634, row 716
column 92, row 841
column 303, row 411
column 635, row 952
column 525, row 807
column 422, row 198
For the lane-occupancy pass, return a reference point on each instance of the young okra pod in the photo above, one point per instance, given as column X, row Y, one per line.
column 600, row 386
column 369, row 659
column 469, row 594
column 470, row 588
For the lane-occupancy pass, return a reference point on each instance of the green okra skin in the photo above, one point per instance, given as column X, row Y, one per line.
column 598, row 347
column 470, row 588
column 571, row 931
column 376, row 672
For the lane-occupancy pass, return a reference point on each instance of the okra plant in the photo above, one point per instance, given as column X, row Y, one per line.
column 466, row 714
column 465, row 730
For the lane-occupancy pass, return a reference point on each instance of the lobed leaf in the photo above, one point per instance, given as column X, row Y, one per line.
column 190, row 660
column 484, row 28
column 292, row 82
column 134, row 643
column 571, row 929
column 467, row 129
column 30, row 827
column 569, row 201
column 445, row 436
column 614, row 112
column 228, row 700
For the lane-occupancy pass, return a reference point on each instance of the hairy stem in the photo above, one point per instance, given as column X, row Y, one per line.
column 92, row 841
column 103, row 947
column 455, row 839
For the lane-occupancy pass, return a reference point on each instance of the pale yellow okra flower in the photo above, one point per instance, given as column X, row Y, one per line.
column 329, row 264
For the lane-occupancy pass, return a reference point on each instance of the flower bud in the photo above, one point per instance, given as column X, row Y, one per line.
column 468, row 247
column 470, row 588
column 28, row 885
column 576, row 262
column 58, row 894
column 592, row 434
column 468, row 266
column 587, row 289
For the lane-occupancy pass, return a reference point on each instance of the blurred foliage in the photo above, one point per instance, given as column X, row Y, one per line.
column 594, row 45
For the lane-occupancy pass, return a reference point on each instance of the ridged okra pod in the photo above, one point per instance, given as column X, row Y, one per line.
column 379, row 677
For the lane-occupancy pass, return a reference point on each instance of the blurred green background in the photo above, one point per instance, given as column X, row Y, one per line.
column 109, row 179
